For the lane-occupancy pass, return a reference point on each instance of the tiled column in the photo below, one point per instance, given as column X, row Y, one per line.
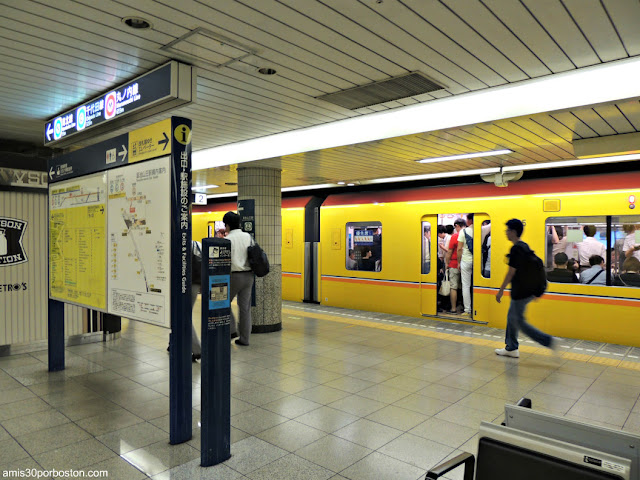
column 263, row 185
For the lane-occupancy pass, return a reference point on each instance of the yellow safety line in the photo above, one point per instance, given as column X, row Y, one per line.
column 581, row 357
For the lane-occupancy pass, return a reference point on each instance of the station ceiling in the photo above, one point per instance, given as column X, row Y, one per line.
column 55, row 55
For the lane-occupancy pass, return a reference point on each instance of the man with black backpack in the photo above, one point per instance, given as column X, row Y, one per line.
column 241, row 277
column 527, row 277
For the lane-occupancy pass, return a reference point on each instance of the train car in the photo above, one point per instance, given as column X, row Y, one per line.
column 207, row 221
column 393, row 238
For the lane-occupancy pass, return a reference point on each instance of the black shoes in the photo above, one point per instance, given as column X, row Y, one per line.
column 241, row 343
column 195, row 356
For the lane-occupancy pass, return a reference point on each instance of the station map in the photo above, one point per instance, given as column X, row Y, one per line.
column 110, row 241
column 77, row 228
column 139, row 241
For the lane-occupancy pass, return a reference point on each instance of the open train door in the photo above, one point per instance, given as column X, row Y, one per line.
column 428, row 264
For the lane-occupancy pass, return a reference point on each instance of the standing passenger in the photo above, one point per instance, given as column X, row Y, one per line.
column 465, row 255
column 589, row 247
column 451, row 263
column 241, row 277
column 630, row 247
column 519, row 255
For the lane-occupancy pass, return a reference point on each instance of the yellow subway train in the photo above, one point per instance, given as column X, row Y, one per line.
column 378, row 251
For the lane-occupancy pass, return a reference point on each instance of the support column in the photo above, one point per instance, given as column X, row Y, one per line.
column 263, row 185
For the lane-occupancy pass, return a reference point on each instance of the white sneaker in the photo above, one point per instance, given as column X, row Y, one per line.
column 507, row 353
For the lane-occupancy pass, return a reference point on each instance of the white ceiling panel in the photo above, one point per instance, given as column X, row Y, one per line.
column 54, row 55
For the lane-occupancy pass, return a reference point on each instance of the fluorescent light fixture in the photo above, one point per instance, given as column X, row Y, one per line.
column 222, row 195
column 573, row 163
column 428, row 176
column 203, row 187
column 465, row 155
column 308, row 187
column 350, row 184
column 342, row 183
column 560, row 91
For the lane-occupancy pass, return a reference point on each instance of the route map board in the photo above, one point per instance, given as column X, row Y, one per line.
column 138, row 241
column 77, row 229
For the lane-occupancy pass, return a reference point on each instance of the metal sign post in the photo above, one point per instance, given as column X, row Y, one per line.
column 216, row 352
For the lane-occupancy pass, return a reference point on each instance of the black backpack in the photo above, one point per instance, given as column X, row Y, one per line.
column 196, row 262
column 534, row 276
column 468, row 240
column 258, row 260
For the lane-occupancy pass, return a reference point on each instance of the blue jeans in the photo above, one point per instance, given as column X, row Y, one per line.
column 516, row 322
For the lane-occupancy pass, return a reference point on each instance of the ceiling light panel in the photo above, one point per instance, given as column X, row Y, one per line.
column 465, row 155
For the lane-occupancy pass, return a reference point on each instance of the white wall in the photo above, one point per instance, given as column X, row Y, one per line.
column 23, row 313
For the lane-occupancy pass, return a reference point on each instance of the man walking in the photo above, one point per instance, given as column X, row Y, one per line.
column 241, row 277
column 519, row 255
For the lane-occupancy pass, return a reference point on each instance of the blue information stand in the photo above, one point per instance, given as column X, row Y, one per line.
column 101, row 157
column 216, row 352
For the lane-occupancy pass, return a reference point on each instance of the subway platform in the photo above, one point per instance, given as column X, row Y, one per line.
column 336, row 394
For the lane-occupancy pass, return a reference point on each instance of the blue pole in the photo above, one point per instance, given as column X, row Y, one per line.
column 180, row 394
column 55, row 328
column 216, row 352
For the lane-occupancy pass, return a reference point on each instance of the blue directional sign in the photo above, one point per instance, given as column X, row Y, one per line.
column 153, row 87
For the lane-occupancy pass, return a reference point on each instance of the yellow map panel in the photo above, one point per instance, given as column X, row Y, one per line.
column 77, row 242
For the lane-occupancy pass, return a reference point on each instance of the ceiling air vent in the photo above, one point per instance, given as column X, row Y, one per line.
column 408, row 85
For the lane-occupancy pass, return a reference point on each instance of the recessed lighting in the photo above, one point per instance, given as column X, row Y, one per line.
column 266, row 71
column 464, row 155
column 350, row 184
column 203, row 187
column 342, row 183
column 137, row 23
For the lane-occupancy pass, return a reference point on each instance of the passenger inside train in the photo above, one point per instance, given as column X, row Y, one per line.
column 578, row 237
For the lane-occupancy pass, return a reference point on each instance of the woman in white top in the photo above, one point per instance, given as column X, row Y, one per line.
column 630, row 247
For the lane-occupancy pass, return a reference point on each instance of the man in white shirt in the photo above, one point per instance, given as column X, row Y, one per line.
column 589, row 247
column 466, row 264
column 241, row 277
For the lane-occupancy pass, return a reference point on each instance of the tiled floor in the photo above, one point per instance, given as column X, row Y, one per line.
column 335, row 394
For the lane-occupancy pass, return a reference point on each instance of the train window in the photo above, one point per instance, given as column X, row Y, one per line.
column 217, row 229
column 485, row 249
column 426, row 247
column 364, row 246
column 578, row 249
column 625, row 254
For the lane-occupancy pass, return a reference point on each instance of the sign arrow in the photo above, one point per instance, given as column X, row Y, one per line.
column 51, row 172
column 165, row 141
column 123, row 153
column 49, row 131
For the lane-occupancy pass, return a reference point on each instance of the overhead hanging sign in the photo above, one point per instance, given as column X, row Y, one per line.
column 141, row 144
column 165, row 87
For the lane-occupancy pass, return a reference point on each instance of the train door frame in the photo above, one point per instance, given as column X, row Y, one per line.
column 479, row 284
column 429, row 281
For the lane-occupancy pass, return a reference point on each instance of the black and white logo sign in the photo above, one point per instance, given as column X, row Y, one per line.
column 11, row 250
